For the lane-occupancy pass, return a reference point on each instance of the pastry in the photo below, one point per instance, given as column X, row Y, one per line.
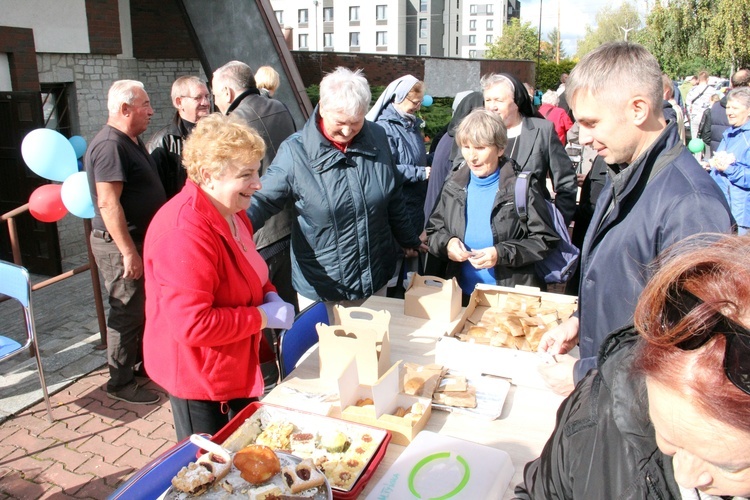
column 477, row 331
column 216, row 464
column 303, row 444
column 267, row 492
column 193, row 479
column 276, row 435
column 334, row 442
column 257, row 463
column 302, row 476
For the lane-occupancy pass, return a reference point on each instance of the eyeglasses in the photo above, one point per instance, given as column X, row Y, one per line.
column 737, row 351
column 198, row 98
column 414, row 102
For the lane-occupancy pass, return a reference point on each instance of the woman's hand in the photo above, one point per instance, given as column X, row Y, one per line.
column 485, row 258
column 457, row 251
column 277, row 313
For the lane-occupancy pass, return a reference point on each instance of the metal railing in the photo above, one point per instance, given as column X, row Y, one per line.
column 90, row 266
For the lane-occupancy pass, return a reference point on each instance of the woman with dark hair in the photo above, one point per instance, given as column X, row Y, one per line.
column 666, row 415
column 532, row 140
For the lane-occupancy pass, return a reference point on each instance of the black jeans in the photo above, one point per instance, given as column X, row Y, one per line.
column 193, row 416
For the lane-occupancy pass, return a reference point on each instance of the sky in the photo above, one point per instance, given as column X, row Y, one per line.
column 574, row 16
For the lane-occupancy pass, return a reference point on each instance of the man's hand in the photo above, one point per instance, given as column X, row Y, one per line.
column 485, row 258
column 559, row 376
column 456, row 250
column 133, row 264
column 427, row 171
column 562, row 338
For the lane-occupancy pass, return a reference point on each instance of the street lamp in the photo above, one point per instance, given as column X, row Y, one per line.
column 315, row 5
column 539, row 39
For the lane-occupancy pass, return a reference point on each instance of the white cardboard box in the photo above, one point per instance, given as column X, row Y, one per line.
column 437, row 466
column 521, row 367
column 430, row 297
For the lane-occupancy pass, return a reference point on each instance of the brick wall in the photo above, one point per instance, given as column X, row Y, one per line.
column 18, row 43
column 379, row 69
column 103, row 18
column 159, row 30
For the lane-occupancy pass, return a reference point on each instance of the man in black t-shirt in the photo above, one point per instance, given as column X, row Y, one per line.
column 127, row 192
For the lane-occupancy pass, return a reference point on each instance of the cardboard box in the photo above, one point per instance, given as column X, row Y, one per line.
column 360, row 333
column 387, row 398
column 521, row 367
column 430, row 297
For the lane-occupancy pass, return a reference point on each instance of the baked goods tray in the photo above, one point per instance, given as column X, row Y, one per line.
column 491, row 394
column 348, row 471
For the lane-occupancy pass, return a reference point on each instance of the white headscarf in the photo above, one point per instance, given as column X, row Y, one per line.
column 396, row 91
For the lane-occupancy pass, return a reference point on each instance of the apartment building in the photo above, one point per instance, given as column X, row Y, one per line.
column 438, row 28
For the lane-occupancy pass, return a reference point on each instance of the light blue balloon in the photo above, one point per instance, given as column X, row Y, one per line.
column 76, row 196
column 49, row 154
column 696, row 145
column 79, row 145
column 427, row 100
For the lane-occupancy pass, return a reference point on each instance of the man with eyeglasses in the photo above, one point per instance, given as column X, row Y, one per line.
column 191, row 98
column 235, row 92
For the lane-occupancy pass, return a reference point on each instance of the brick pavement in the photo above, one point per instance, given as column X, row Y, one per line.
column 94, row 445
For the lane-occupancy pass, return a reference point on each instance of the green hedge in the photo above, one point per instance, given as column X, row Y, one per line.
column 548, row 74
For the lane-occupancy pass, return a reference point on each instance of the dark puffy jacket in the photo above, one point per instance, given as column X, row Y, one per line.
column 165, row 147
column 718, row 122
column 518, row 247
column 410, row 159
column 347, row 210
column 604, row 444
column 272, row 120
column 634, row 221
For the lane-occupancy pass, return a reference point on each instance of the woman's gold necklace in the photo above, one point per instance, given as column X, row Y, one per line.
column 236, row 234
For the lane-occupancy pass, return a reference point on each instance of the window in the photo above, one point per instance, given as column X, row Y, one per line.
column 302, row 16
column 381, row 38
column 381, row 12
column 422, row 5
column 327, row 39
column 423, row 28
column 328, row 14
column 473, row 10
column 490, row 25
column 488, row 39
column 279, row 16
column 490, row 10
column 422, row 49
column 354, row 13
column 472, row 39
column 472, row 54
column 303, row 41
column 473, row 25
column 354, row 39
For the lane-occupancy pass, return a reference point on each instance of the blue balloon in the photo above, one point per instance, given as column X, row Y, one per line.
column 79, row 145
column 427, row 101
column 76, row 196
column 49, row 154
column 80, row 165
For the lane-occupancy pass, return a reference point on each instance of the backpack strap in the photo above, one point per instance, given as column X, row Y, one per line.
column 521, row 193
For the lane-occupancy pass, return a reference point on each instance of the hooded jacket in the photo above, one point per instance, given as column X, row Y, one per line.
column 635, row 219
column 604, row 443
column 347, row 210
column 735, row 180
column 202, row 333
column 518, row 246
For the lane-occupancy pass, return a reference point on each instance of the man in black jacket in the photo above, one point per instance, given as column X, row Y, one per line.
column 656, row 195
column 191, row 99
column 235, row 93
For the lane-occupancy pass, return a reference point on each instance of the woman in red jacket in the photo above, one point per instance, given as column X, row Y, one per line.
column 207, row 291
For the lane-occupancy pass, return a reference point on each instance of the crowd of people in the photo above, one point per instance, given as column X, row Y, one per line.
column 213, row 235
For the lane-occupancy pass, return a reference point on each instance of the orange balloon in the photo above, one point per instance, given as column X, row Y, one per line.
column 46, row 205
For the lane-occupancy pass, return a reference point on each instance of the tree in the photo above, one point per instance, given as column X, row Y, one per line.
column 519, row 41
column 555, row 40
column 611, row 25
column 728, row 33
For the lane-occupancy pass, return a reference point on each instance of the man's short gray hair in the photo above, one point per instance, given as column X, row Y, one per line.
column 619, row 71
column 122, row 92
column 236, row 75
column 345, row 91
column 741, row 95
column 551, row 97
column 181, row 87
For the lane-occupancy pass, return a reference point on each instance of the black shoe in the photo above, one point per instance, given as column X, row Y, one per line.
column 134, row 395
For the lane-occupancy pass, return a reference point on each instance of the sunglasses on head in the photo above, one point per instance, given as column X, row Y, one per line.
column 737, row 350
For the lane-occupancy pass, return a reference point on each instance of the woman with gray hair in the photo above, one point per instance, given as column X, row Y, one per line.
column 730, row 165
column 559, row 118
column 349, row 217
